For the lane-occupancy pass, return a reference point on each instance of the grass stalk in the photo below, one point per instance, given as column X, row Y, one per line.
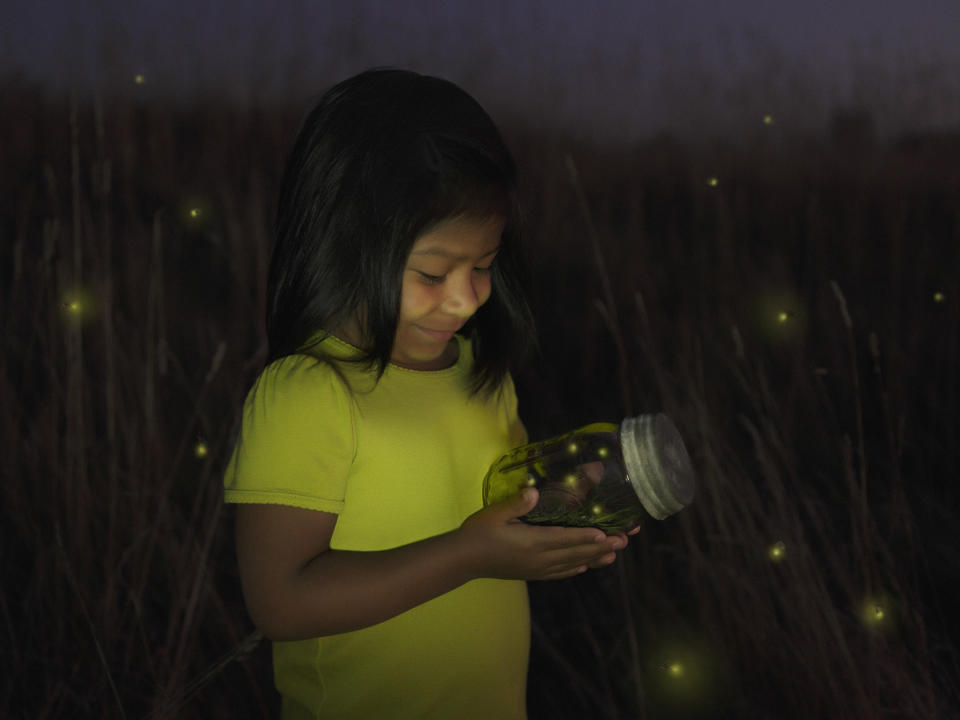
column 75, row 586
column 608, row 306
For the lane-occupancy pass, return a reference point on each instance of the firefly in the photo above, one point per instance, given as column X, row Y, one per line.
column 139, row 79
column 602, row 452
column 768, row 119
column 777, row 551
column 675, row 669
column 195, row 213
column 200, row 449
column 785, row 315
column 938, row 297
column 876, row 613
column 713, row 182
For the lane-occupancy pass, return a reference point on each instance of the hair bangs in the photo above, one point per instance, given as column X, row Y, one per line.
column 464, row 182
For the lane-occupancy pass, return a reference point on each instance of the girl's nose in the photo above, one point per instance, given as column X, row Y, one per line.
column 462, row 298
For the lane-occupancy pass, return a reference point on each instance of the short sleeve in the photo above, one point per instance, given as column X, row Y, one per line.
column 297, row 438
column 518, row 433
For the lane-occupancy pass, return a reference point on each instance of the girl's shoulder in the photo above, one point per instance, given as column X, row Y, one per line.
column 300, row 380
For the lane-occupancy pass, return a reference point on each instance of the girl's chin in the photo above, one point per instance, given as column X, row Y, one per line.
column 441, row 338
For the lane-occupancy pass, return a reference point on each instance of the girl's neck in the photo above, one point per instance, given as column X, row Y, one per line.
column 447, row 360
column 350, row 335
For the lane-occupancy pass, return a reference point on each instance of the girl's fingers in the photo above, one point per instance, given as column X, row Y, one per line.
column 603, row 562
column 634, row 531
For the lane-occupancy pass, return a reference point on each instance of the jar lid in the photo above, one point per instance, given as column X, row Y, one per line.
column 657, row 464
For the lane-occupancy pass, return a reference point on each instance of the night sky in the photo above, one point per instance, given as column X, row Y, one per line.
column 604, row 66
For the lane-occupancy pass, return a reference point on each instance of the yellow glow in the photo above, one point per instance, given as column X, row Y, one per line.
column 139, row 79
column 531, row 481
column 768, row 119
column 195, row 210
column 938, row 297
column 777, row 551
column 200, row 450
column 597, row 509
column 713, row 182
column 572, row 448
column 602, row 452
column 570, row 480
column 877, row 612
column 779, row 316
column 685, row 677
column 79, row 305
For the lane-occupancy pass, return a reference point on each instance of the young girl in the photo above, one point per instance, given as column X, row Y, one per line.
column 396, row 308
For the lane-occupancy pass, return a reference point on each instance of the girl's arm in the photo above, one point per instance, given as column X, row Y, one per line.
column 296, row 587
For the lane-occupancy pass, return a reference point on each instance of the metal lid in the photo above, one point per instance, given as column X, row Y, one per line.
column 657, row 464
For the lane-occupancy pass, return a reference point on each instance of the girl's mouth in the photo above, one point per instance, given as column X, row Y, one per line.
column 437, row 335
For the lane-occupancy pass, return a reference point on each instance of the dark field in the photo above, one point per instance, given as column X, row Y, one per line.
column 799, row 320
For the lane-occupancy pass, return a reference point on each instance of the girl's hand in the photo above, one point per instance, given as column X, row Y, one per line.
column 620, row 541
column 495, row 543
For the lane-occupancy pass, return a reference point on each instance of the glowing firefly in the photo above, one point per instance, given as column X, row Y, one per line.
column 713, row 182
column 938, row 297
column 768, row 119
column 876, row 613
column 200, row 449
column 139, row 79
column 785, row 315
column 602, row 452
column 777, row 551
column 195, row 212
column 675, row 669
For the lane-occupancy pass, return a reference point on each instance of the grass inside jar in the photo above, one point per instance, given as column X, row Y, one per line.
column 589, row 493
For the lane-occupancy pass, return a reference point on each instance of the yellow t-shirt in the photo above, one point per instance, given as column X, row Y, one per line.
column 399, row 464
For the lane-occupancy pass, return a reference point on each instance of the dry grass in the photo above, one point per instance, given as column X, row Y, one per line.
column 833, row 432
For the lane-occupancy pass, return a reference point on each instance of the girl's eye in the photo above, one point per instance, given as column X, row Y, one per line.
column 437, row 279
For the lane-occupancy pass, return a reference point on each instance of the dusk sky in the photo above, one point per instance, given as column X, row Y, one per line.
column 603, row 66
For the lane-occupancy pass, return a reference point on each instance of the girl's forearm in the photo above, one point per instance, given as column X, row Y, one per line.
column 341, row 590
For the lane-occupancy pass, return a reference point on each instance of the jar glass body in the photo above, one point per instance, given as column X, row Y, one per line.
column 580, row 476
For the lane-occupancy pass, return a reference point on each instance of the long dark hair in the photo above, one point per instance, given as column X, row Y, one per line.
column 383, row 158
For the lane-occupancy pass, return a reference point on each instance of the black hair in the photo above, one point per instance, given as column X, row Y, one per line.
column 383, row 158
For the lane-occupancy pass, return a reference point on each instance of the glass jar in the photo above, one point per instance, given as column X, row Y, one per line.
column 601, row 475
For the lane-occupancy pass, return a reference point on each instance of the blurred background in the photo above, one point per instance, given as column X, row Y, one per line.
column 745, row 215
column 615, row 69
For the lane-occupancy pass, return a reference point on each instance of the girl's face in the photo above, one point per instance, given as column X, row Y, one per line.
column 447, row 277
